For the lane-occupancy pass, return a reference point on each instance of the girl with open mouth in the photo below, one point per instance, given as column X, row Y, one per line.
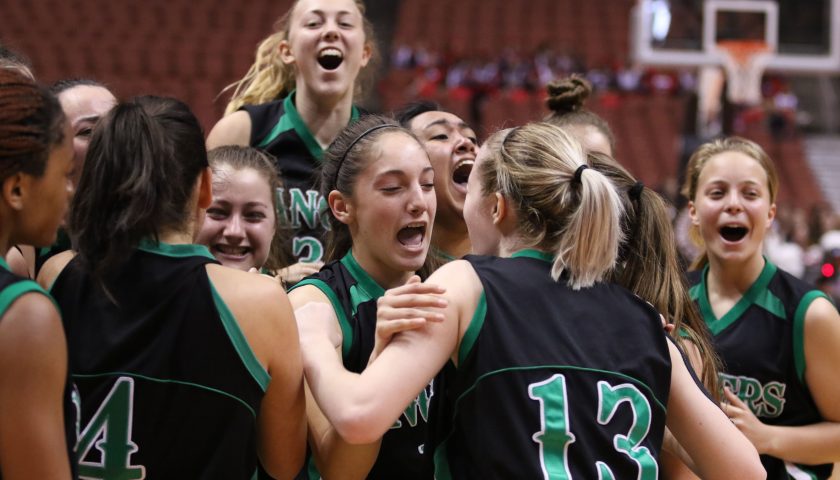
column 380, row 187
column 558, row 373
column 295, row 99
column 778, row 337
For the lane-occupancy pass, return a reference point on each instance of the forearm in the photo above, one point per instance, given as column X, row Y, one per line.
column 807, row 444
column 352, row 403
column 334, row 457
column 337, row 459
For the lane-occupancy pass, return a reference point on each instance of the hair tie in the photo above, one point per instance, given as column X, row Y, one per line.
column 579, row 172
column 635, row 192
column 353, row 144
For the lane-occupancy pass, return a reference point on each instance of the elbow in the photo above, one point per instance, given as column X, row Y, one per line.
column 749, row 466
column 756, row 470
column 360, row 426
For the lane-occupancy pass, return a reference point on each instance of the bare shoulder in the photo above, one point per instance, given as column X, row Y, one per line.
column 244, row 289
column 53, row 268
column 233, row 129
column 822, row 314
column 21, row 260
column 33, row 323
column 456, row 276
column 260, row 307
column 306, row 294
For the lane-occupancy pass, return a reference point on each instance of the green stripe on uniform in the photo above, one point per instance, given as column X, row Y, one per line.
column 799, row 331
column 165, row 380
column 16, row 290
column 343, row 321
column 179, row 250
column 239, row 342
column 474, row 328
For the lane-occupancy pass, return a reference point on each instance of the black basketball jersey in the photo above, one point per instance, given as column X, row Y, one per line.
column 168, row 386
column 760, row 341
column 353, row 293
column 12, row 287
column 555, row 383
column 277, row 128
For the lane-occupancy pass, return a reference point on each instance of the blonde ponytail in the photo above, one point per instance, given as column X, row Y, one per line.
column 576, row 216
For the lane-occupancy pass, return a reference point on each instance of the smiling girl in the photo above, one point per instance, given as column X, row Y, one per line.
column 293, row 102
column 779, row 337
column 380, row 186
column 240, row 227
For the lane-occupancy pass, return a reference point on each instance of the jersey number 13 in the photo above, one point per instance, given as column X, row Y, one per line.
column 555, row 436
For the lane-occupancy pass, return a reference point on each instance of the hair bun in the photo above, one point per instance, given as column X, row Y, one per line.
column 568, row 95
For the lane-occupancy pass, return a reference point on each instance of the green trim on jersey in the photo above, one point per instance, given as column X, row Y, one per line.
column 756, row 294
column 291, row 120
column 164, row 380
column 178, row 250
column 15, row 290
column 799, row 331
column 343, row 321
column 366, row 287
column 441, row 460
column 558, row 367
column 474, row 328
column 240, row 343
column 4, row 264
column 441, row 254
column 532, row 253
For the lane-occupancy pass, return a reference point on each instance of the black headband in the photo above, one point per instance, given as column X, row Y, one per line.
column 353, row 144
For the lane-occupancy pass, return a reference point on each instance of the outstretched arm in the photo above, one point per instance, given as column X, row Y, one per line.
column 718, row 449
column 334, row 457
column 363, row 407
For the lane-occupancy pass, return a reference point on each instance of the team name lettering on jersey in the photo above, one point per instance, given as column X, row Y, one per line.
column 418, row 406
column 767, row 400
column 309, row 208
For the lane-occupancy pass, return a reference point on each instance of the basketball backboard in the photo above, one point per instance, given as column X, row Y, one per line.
column 801, row 36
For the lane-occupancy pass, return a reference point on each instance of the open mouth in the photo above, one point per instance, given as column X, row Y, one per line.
column 412, row 235
column 330, row 58
column 733, row 233
column 462, row 172
column 232, row 251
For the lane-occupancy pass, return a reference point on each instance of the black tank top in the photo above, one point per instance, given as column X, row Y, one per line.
column 555, row 383
column 278, row 129
column 760, row 341
column 168, row 386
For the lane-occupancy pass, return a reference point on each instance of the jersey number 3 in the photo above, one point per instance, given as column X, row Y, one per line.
column 110, row 432
column 555, row 436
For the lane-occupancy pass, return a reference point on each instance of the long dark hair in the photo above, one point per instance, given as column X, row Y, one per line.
column 142, row 164
column 649, row 264
column 31, row 124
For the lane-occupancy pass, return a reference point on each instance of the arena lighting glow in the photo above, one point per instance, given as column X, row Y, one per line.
column 827, row 270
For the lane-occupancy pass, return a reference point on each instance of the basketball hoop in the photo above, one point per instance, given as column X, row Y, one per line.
column 744, row 62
